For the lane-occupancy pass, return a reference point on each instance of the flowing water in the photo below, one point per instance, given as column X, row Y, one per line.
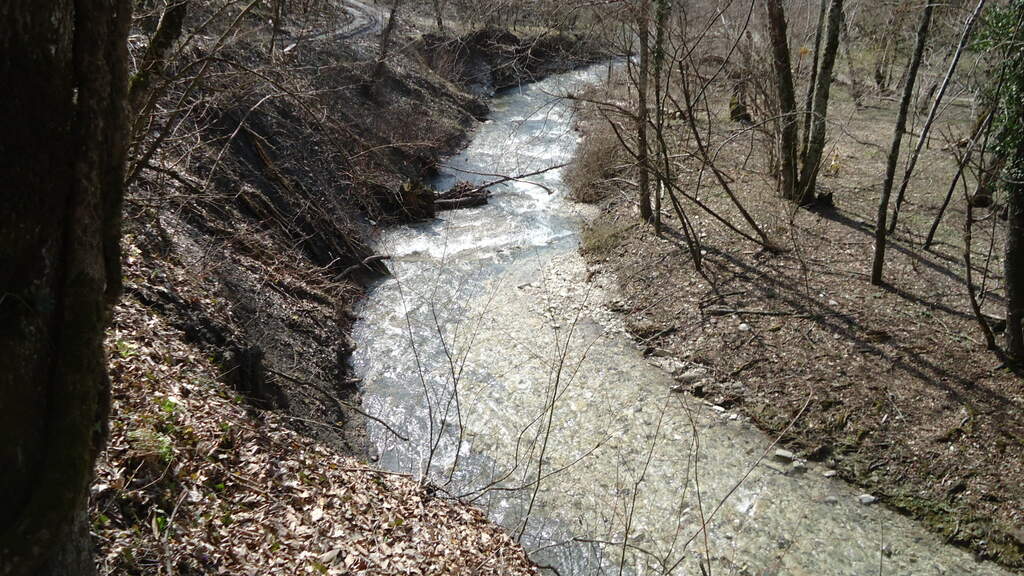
column 520, row 391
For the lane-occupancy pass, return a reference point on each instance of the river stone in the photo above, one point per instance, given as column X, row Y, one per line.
column 691, row 375
column 866, row 499
column 670, row 365
column 829, row 473
column 784, row 455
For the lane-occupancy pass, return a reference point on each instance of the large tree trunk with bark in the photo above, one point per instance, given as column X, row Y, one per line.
column 819, row 109
column 787, row 98
column 897, row 139
column 63, row 67
column 1013, row 265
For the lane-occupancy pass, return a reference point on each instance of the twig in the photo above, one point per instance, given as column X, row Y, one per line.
column 342, row 405
column 364, row 264
column 727, row 311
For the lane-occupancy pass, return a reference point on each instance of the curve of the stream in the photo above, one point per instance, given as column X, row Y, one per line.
column 493, row 352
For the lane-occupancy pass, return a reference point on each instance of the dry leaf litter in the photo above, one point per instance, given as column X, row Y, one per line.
column 195, row 482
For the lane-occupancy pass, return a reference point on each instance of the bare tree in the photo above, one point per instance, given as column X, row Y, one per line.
column 64, row 112
column 787, row 98
column 897, row 139
column 809, row 99
column 811, row 158
column 923, row 137
column 439, row 14
column 643, row 23
column 385, row 41
column 661, row 15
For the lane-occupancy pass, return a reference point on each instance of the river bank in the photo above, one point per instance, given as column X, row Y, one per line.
column 894, row 389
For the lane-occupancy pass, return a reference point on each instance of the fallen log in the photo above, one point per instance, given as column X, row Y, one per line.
column 455, row 203
column 462, row 195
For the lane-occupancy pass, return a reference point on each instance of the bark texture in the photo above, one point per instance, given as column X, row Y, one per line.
column 643, row 75
column 63, row 65
column 787, row 98
column 819, row 108
column 1014, row 261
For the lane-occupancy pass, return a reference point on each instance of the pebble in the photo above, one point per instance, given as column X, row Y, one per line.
column 692, row 375
column 717, row 408
column 784, row 455
column 829, row 473
column 866, row 499
column 744, row 327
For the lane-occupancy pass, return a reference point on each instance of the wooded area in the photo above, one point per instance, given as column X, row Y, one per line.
column 823, row 200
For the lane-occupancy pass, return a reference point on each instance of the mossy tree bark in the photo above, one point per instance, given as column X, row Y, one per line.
column 1013, row 263
column 63, row 65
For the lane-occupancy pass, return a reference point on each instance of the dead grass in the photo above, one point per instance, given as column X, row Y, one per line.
column 905, row 399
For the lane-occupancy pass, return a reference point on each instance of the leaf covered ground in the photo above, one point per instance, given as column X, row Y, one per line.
column 195, row 482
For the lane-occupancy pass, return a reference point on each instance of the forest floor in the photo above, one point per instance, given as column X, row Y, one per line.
column 904, row 398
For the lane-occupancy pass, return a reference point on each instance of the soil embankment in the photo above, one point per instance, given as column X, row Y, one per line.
column 901, row 396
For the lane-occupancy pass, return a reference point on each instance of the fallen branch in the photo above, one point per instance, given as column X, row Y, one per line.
column 728, row 311
column 341, row 404
column 365, row 263
column 501, row 178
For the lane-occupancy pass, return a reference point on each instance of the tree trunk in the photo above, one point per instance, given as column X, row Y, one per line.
column 661, row 13
column 64, row 113
column 1014, row 261
column 933, row 113
column 819, row 110
column 897, row 138
column 385, row 42
column 855, row 85
column 439, row 14
column 787, row 97
column 275, row 27
column 809, row 98
column 643, row 148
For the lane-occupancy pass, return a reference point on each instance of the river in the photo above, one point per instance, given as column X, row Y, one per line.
column 494, row 354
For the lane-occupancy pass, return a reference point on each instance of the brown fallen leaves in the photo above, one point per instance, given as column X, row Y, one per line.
column 193, row 482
